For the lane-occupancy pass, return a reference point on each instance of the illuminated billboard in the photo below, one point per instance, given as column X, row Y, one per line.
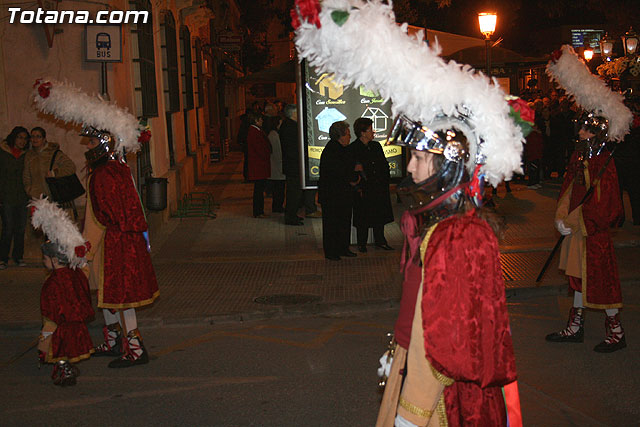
column 325, row 101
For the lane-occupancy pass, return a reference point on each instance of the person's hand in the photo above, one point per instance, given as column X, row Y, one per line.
column 50, row 174
column 562, row 229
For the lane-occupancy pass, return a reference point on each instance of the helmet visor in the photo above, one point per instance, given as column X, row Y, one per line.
column 407, row 133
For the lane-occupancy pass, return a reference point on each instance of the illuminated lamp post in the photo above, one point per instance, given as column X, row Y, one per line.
column 630, row 42
column 606, row 47
column 487, row 21
column 588, row 54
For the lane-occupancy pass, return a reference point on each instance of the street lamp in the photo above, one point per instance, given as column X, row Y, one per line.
column 606, row 47
column 630, row 42
column 487, row 21
column 588, row 54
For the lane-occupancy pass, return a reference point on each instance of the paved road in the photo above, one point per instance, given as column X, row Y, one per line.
column 316, row 371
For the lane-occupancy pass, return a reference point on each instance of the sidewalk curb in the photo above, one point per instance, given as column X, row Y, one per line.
column 342, row 309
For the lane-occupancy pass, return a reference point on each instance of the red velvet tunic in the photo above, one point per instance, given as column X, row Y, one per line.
column 599, row 212
column 465, row 322
column 128, row 276
column 65, row 300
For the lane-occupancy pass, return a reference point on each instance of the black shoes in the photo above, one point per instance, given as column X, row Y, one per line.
column 610, row 347
column 384, row 246
column 349, row 254
column 296, row 222
column 332, row 257
column 362, row 249
column 560, row 337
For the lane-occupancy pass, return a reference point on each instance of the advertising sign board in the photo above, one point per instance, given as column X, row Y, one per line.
column 325, row 101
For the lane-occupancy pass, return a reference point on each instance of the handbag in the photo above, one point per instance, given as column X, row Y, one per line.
column 65, row 188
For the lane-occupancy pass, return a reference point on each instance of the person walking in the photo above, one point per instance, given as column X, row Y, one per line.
column 259, row 166
column 335, row 190
column 372, row 201
column 115, row 225
column 589, row 203
column 13, row 198
column 460, row 353
column 39, row 163
column 65, row 299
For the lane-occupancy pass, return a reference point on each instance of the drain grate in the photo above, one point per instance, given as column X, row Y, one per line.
column 287, row 299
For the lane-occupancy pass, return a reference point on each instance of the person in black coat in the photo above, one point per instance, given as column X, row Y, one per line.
column 291, row 164
column 372, row 201
column 335, row 191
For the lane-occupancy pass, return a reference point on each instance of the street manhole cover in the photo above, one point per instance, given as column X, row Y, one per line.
column 287, row 299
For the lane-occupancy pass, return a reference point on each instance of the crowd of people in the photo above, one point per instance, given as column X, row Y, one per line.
column 353, row 185
column 26, row 160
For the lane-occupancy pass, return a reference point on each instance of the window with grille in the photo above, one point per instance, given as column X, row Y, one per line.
column 199, row 77
column 170, row 62
column 187, row 68
column 144, row 70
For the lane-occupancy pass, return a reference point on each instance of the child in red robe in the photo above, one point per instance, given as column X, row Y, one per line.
column 65, row 301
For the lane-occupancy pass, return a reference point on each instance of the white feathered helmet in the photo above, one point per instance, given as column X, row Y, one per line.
column 70, row 104
column 606, row 115
column 64, row 240
column 337, row 36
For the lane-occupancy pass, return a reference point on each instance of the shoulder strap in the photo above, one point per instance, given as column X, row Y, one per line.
column 53, row 159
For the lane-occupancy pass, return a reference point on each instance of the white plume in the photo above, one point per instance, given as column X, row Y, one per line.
column 370, row 49
column 59, row 229
column 70, row 104
column 590, row 92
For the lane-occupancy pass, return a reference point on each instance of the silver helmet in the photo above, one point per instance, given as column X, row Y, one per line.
column 442, row 194
column 105, row 147
column 596, row 125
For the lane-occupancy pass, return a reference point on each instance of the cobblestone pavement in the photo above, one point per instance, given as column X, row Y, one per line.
column 213, row 270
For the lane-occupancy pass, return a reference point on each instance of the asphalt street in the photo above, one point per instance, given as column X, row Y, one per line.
column 315, row 371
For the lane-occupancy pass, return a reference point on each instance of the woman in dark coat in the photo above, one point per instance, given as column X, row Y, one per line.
column 13, row 198
column 335, row 188
column 372, row 202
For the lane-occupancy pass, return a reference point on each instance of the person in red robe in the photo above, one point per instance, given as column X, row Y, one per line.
column 119, row 257
column 587, row 255
column 65, row 301
column 454, row 351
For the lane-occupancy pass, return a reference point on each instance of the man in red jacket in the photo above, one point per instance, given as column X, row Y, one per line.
column 259, row 168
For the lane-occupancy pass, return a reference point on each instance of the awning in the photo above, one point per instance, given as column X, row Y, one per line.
column 475, row 56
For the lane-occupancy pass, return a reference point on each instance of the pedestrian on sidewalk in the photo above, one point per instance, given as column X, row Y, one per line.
column 13, row 198
column 65, row 299
column 458, row 127
column 335, row 187
column 277, row 178
column 115, row 225
column 291, row 164
column 587, row 255
column 259, row 154
column 38, row 164
column 533, row 150
column 372, row 201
